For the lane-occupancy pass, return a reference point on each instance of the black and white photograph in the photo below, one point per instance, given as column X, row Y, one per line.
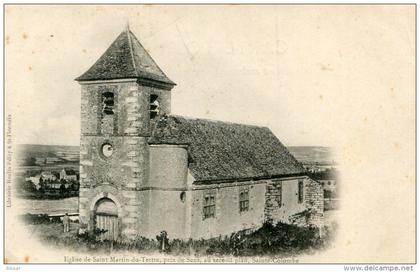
column 209, row 134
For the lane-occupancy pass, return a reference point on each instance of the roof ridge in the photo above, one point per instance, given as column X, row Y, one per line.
column 216, row 121
column 151, row 58
column 131, row 51
column 127, row 58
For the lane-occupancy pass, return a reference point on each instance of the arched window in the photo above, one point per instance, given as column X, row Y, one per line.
column 154, row 106
column 108, row 103
column 107, row 112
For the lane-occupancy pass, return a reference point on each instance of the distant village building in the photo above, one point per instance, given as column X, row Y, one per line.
column 40, row 161
column 331, row 193
column 329, row 185
column 144, row 171
column 34, row 180
column 51, row 160
column 56, row 184
column 47, row 175
column 68, row 175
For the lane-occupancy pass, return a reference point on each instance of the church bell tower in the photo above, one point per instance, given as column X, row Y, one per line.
column 121, row 95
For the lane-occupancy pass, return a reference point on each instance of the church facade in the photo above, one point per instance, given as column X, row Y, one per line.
column 144, row 170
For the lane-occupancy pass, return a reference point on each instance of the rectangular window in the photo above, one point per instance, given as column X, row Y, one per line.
column 209, row 205
column 300, row 191
column 243, row 199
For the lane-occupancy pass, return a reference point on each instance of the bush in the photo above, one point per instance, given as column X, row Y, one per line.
column 267, row 240
column 35, row 219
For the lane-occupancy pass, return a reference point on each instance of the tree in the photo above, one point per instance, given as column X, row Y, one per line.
column 30, row 161
column 62, row 189
column 41, row 185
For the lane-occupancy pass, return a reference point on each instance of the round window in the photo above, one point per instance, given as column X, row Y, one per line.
column 107, row 150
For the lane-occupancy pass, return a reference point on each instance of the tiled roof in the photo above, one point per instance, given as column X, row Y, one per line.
column 226, row 151
column 125, row 58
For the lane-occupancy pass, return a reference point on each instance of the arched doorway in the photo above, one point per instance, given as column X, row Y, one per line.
column 106, row 218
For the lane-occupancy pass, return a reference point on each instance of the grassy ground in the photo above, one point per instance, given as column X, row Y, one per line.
column 43, row 231
column 281, row 240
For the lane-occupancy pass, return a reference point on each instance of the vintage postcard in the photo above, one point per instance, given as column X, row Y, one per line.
column 270, row 134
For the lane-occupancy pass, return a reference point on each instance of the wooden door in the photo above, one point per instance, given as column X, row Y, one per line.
column 108, row 223
column 106, row 219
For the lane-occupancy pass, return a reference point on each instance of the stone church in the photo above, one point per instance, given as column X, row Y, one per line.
column 144, row 170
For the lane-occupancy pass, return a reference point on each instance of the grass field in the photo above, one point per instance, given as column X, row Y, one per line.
column 281, row 240
column 50, row 206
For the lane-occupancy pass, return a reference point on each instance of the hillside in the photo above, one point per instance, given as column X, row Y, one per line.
column 320, row 155
column 31, row 155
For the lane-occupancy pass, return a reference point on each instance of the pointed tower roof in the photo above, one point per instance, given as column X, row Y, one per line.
column 126, row 58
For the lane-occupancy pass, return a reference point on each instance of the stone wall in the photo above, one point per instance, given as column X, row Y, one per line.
column 131, row 107
column 314, row 200
column 168, row 166
column 282, row 200
column 290, row 210
column 164, row 99
column 127, row 202
column 126, row 168
column 165, row 210
column 272, row 203
column 228, row 218
column 123, row 174
column 167, row 193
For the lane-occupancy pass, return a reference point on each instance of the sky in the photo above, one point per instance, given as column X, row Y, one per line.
column 304, row 71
